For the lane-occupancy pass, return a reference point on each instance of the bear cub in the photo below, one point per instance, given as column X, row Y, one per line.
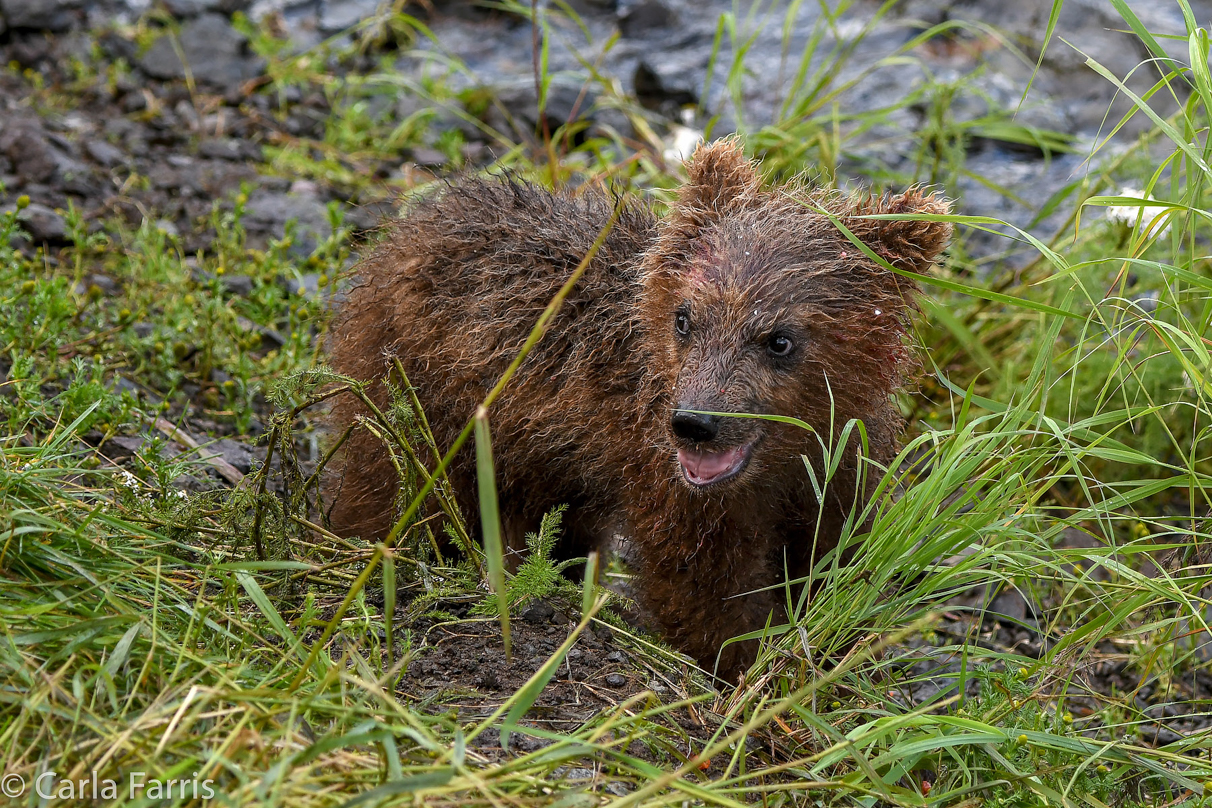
column 741, row 299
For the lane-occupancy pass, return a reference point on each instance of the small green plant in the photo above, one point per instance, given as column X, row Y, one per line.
column 538, row 576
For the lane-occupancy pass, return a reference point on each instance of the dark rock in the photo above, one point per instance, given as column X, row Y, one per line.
column 239, row 285
column 538, row 612
column 73, row 122
column 192, row 8
column 268, row 212
column 185, row 112
column 104, row 284
column 116, row 46
column 101, row 91
column 52, row 197
column 30, row 51
column 527, row 743
column 438, row 117
column 616, row 657
column 269, row 337
column 368, row 217
column 166, row 128
column 1168, row 710
column 143, row 330
column 616, row 680
column 306, row 285
column 660, row 86
column 647, row 16
column 121, row 384
column 195, row 485
column 490, row 737
column 77, row 45
column 41, row 15
column 488, row 680
column 477, row 153
column 307, row 123
column 1073, row 537
column 122, row 447
column 25, row 144
column 167, row 178
column 338, row 15
column 43, row 224
column 564, row 103
column 105, row 153
column 425, row 156
column 584, row 7
column 134, row 101
column 281, row 184
column 567, row 102
column 1161, row 736
column 237, row 454
column 75, row 176
column 1009, row 605
column 215, row 52
column 289, row 95
column 228, row 148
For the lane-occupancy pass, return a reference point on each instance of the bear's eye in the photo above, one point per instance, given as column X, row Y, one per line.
column 780, row 345
column 681, row 323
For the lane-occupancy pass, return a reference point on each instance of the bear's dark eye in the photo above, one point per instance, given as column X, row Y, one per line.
column 780, row 345
column 681, row 323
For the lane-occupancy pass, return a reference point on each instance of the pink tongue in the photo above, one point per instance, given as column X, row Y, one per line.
column 706, row 466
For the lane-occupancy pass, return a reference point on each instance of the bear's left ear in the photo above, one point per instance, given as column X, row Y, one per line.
column 905, row 243
column 720, row 180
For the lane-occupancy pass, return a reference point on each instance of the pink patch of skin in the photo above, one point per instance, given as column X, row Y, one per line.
column 706, row 270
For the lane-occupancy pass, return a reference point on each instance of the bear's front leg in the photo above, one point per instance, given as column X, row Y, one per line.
column 702, row 600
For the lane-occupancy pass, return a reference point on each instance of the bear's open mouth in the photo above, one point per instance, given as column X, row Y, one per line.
column 707, row 468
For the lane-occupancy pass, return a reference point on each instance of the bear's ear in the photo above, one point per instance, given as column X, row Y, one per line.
column 905, row 243
column 721, row 179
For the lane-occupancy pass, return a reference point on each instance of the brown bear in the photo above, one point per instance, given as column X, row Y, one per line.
column 741, row 299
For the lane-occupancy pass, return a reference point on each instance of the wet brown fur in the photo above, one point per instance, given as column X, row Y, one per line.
column 456, row 287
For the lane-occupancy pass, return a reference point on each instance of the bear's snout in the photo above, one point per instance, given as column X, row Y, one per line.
column 695, row 427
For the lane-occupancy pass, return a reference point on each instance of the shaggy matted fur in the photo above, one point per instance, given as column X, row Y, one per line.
column 742, row 299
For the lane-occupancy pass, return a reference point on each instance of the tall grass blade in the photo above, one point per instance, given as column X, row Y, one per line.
column 490, row 521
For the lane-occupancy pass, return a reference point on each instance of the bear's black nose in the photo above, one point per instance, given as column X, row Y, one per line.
column 695, row 427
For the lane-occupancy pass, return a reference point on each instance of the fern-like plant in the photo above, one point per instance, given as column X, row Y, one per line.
column 539, row 576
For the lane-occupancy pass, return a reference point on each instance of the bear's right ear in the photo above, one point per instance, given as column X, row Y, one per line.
column 722, row 179
column 912, row 244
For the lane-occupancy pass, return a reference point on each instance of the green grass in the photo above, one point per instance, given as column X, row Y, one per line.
column 144, row 629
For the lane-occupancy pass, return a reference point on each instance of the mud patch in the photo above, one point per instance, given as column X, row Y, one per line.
column 460, row 665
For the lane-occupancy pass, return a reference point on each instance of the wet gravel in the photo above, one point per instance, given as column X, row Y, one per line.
column 190, row 119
